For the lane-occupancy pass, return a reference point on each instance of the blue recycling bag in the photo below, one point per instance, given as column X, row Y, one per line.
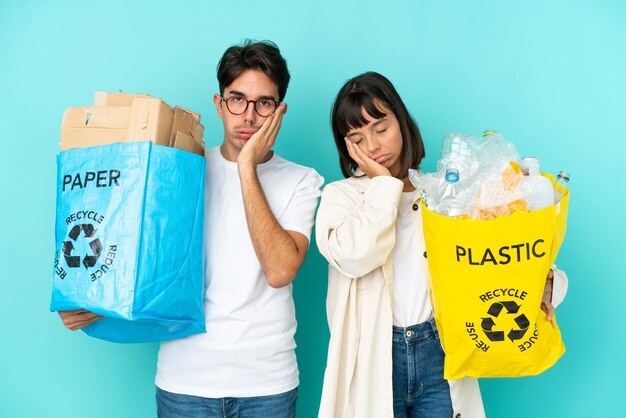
column 129, row 240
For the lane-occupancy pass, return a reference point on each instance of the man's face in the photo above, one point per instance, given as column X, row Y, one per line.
column 250, row 85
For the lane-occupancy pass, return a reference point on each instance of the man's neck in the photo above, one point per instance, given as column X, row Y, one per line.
column 232, row 154
column 228, row 154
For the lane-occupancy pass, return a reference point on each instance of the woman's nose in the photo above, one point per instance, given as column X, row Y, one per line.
column 372, row 145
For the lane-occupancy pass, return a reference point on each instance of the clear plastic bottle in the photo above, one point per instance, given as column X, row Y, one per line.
column 561, row 178
column 457, row 152
column 539, row 191
column 458, row 163
column 449, row 203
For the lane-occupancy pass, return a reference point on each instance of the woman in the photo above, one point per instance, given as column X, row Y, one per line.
column 384, row 357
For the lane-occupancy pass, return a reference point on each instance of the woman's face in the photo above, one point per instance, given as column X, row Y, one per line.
column 380, row 139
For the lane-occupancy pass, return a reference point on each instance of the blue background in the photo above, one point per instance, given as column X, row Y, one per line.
column 549, row 76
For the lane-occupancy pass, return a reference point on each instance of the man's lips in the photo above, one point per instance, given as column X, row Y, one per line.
column 245, row 133
column 381, row 158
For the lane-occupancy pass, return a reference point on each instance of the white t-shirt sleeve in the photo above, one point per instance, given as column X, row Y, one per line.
column 300, row 212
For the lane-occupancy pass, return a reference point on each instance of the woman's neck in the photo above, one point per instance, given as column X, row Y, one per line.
column 408, row 186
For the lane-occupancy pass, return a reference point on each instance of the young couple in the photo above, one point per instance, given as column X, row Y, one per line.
column 384, row 356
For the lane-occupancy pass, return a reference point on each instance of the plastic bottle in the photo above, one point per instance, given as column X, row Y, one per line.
column 449, row 203
column 561, row 178
column 539, row 190
column 457, row 152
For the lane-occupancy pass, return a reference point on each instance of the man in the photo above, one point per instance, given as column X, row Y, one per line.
column 259, row 211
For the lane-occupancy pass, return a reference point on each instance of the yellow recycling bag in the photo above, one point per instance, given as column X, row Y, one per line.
column 487, row 282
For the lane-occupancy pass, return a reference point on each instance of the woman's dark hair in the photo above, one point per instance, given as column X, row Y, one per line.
column 264, row 56
column 368, row 92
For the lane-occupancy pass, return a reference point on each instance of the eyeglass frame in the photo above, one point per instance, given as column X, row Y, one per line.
column 223, row 99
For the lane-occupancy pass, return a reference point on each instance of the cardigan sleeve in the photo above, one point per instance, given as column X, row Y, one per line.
column 354, row 232
column 559, row 286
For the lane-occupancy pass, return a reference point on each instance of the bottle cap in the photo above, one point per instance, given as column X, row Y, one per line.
column 564, row 175
column 452, row 175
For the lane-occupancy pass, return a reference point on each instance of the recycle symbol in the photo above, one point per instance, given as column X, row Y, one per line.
column 68, row 247
column 512, row 308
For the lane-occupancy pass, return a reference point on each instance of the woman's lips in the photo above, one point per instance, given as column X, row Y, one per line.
column 381, row 158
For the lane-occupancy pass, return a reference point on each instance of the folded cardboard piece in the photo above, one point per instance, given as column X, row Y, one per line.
column 188, row 123
column 102, row 98
column 120, row 117
column 187, row 143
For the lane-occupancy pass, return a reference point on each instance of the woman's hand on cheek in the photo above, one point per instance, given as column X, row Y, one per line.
column 370, row 167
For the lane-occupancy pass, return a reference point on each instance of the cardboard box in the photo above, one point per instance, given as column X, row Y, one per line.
column 94, row 125
column 102, row 98
column 148, row 119
column 187, row 122
column 120, row 117
column 187, row 143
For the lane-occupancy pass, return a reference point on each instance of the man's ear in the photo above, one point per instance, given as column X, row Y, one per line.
column 285, row 111
column 217, row 101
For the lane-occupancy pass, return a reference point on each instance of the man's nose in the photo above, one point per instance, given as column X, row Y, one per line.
column 250, row 114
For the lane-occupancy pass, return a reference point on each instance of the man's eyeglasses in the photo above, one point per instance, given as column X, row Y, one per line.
column 237, row 105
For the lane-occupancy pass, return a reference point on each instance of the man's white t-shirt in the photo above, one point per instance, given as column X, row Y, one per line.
column 411, row 304
column 248, row 349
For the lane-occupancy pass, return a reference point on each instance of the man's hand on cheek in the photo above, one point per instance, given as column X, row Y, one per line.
column 263, row 140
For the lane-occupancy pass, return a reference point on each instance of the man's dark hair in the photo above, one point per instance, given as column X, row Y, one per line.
column 254, row 55
column 368, row 92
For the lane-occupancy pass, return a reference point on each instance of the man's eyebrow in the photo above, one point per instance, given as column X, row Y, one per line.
column 238, row 93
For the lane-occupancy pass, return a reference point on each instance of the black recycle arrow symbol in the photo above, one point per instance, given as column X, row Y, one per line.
column 68, row 247
column 511, row 308
column 518, row 334
column 487, row 324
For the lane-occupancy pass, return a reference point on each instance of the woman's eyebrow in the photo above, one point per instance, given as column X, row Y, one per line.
column 379, row 121
column 371, row 124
